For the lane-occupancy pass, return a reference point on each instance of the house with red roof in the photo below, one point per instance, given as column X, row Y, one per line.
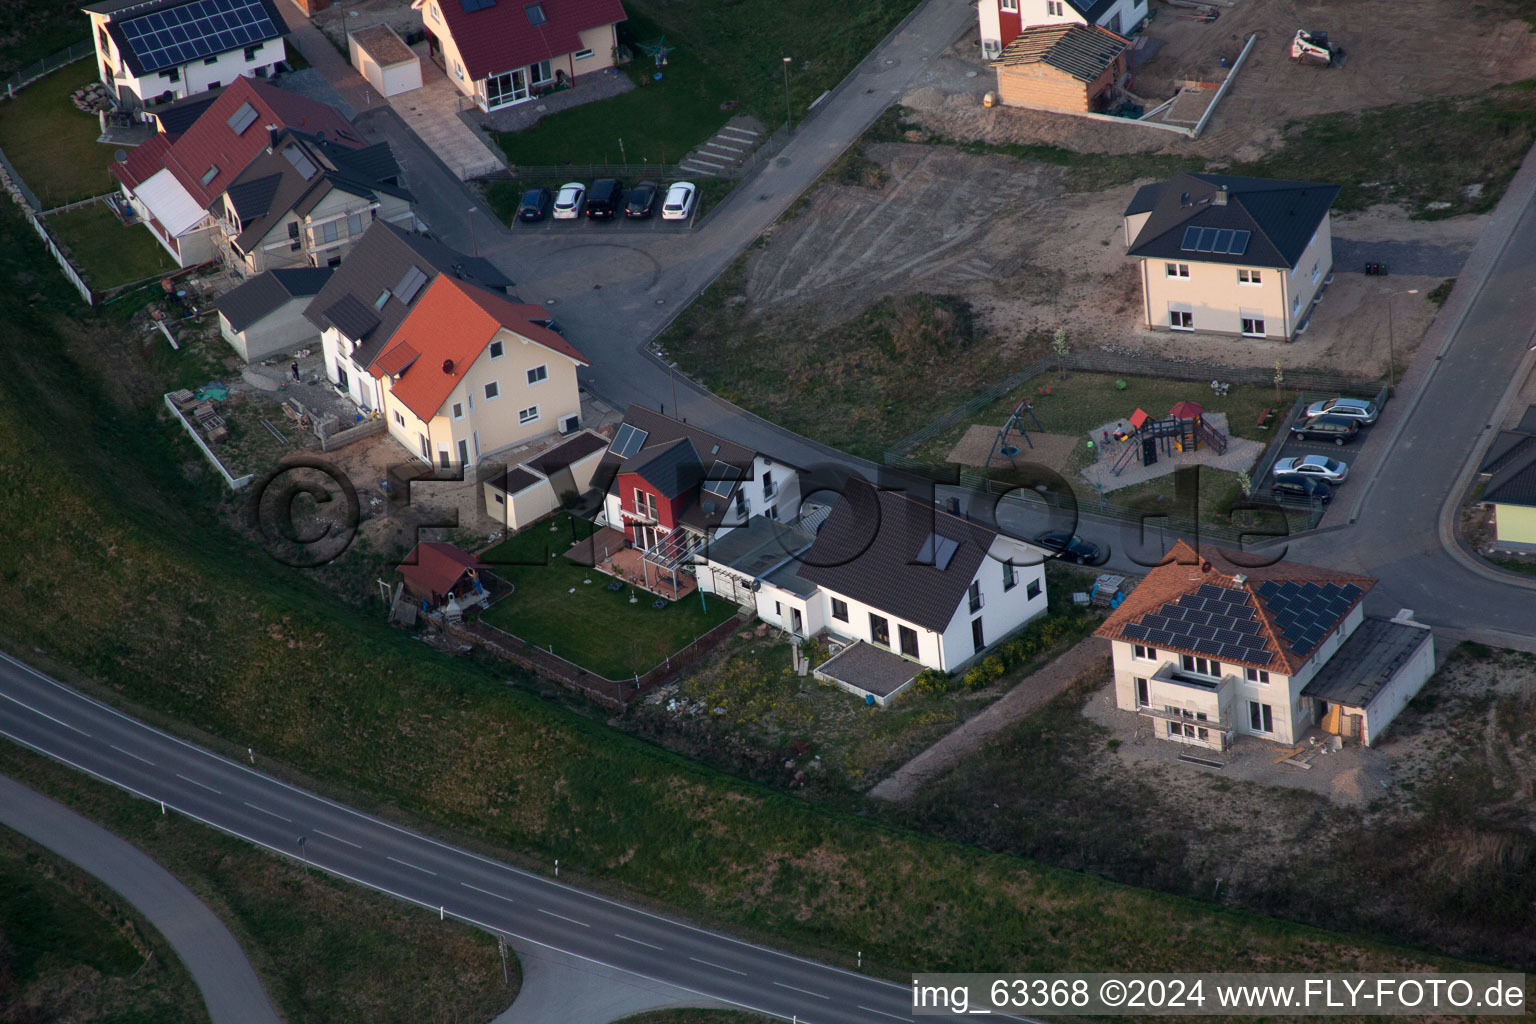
column 175, row 179
column 500, row 52
column 442, row 576
column 469, row 372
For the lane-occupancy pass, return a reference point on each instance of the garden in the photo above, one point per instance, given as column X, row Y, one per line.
column 52, row 144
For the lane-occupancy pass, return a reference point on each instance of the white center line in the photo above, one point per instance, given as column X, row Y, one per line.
column 263, row 810
column 131, row 754
column 200, row 785
column 45, row 714
column 408, row 864
column 488, row 892
column 327, row 835
column 802, row 991
column 882, row 1013
column 637, row 942
column 718, row 967
column 562, row 917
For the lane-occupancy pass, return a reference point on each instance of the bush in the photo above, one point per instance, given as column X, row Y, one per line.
column 930, row 682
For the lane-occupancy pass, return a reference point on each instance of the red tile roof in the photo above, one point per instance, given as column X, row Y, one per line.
column 210, row 142
column 452, row 323
column 501, row 38
column 436, row 567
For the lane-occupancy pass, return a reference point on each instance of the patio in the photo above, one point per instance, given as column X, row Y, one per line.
column 605, row 551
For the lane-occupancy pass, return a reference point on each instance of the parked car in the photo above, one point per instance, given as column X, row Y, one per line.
column 1313, row 467
column 603, row 199
column 534, row 205
column 1355, row 408
column 1338, row 429
column 568, row 200
column 642, row 200
column 1300, row 488
column 679, row 204
column 1069, row 547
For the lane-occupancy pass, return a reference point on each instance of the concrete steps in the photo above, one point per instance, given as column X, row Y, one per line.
column 726, row 150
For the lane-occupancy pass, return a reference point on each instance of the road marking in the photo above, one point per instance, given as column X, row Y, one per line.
column 718, row 967
column 637, row 942
column 263, row 810
column 882, row 1013
column 488, row 892
column 408, row 864
column 562, row 917
column 45, row 714
column 802, row 991
column 131, row 754
column 200, row 785
column 327, row 835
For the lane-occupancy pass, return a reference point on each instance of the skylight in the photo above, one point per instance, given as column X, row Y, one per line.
column 242, row 119
column 301, row 162
column 628, row 440
column 211, row 173
column 410, row 284
column 936, row 551
column 535, row 14
column 723, row 477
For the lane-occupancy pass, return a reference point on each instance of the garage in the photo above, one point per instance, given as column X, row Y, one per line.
column 1373, row 675
column 381, row 55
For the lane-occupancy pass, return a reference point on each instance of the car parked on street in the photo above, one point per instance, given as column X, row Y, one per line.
column 534, row 205
column 568, row 200
column 642, row 200
column 1299, row 488
column 1312, row 467
column 680, row 199
column 603, row 198
column 1338, row 429
column 1069, row 547
column 1355, row 408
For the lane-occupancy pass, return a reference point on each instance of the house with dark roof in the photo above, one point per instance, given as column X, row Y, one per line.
column 265, row 315
column 1003, row 20
column 1228, row 255
column 1207, row 649
column 501, row 52
column 1509, row 491
column 366, row 300
column 1067, row 67
column 533, row 488
column 306, row 200
column 157, row 50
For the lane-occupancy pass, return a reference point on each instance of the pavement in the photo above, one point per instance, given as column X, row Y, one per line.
column 561, row 987
column 217, row 964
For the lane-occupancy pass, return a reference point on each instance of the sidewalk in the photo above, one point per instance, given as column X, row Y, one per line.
column 326, row 59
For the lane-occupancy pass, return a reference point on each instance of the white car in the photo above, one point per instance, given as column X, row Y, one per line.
column 568, row 200
column 1312, row 467
column 679, row 202
column 1357, row 409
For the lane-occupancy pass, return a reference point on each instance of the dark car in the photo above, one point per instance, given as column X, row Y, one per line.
column 603, row 198
column 534, row 205
column 1070, row 547
column 642, row 200
column 1301, row 489
column 1338, row 429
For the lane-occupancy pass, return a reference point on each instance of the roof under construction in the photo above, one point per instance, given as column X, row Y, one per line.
column 1081, row 51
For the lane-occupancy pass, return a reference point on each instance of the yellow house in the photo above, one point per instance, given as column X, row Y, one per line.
column 1511, row 491
column 467, row 373
column 1227, row 255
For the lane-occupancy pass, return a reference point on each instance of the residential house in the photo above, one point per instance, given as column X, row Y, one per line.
column 1510, row 488
column 306, row 200
column 1229, row 255
column 468, row 373
column 532, row 489
column 1002, row 20
column 156, row 50
column 265, row 315
column 366, row 300
column 443, row 578
column 174, row 178
column 1207, row 649
column 1066, row 67
column 384, row 60
column 500, row 52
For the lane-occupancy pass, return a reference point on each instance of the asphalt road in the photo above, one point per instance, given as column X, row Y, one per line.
column 49, row 717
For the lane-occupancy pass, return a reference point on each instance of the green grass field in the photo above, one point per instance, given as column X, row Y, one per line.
column 51, row 144
column 105, row 251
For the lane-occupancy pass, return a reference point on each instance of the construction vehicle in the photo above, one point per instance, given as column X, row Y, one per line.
column 1313, row 48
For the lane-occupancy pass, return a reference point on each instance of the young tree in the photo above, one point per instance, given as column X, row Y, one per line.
column 1279, row 379
column 1061, row 347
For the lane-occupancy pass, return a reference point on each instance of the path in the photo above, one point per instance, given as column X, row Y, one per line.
column 215, row 960
column 1031, row 692
column 560, row 987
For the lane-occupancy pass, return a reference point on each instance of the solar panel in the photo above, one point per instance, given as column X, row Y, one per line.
column 471, row 6
column 1203, row 632
column 1223, row 240
column 723, row 477
column 1160, row 637
column 1223, row 622
column 1239, row 243
column 1248, row 627
column 628, row 440
column 1154, row 622
column 1234, row 652
column 410, row 285
column 1196, row 617
column 196, row 30
column 301, row 161
column 1207, row 646
column 1134, row 630
column 241, row 119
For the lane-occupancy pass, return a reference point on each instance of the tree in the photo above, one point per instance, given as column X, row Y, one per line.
column 1279, row 379
column 1061, row 347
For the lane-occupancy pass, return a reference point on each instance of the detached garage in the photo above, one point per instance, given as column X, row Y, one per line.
column 1068, row 68
column 265, row 315
column 390, row 66
column 532, row 490
column 1372, row 676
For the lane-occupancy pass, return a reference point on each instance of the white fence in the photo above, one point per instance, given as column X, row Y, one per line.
column 235, row 483
column 58, row 254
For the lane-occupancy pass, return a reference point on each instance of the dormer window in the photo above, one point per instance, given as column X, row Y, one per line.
column 211, row 173
column 378, row 303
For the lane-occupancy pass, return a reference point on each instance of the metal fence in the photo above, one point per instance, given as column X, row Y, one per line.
column 32, row 72
column 591, row 172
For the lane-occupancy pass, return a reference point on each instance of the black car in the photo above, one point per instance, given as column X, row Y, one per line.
column 603, row 198
column 642, row 200
column 534, row 205
column 1301, row 489
column 1338, row 429
column 1070, row 547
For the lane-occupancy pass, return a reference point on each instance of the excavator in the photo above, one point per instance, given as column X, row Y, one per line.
column 1313, row 48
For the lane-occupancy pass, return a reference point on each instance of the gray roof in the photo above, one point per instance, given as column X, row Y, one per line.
column 1282, row 217
column 350, row 316
column 1508, row 447
column 871, row 669
column 179, row 115
column 1527, row 424
column 673, row 469
column 378, row 262
column 868, row 547
column 266, row 292
column 514, row 480
column 569, row 453
column 1366, row 662
column 760, row 548
column 1515, row 482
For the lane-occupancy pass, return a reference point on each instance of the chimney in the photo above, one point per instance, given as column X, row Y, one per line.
column 1239, row 579
column 1219, row 198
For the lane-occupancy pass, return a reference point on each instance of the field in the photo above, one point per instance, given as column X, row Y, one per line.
column 105, row 251
column 33, row 29
column 51, row 144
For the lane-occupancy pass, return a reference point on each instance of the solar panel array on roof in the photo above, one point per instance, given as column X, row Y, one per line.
column 722, row 477
column 193, row 31
column 410, row 284
column 628, row 440
column 1305, row 613
column 1215, row 621
column 242, row 119
column 1223, row 240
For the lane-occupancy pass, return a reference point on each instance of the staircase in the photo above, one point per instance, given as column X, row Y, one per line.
column 726, row 151
column 1213, row 437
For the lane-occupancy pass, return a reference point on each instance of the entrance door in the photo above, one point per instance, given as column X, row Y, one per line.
column 796, row 623
column 463, row 453
column 977, row 639
column 445, row 458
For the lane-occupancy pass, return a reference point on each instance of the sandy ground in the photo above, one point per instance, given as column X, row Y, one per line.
column 1053, row 450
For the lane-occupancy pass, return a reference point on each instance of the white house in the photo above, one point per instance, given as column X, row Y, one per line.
column 265, row 315
column 150, row 51
column 1002, row 20
column 1209, row 650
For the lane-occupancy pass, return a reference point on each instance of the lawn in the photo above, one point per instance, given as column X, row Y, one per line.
column 554, row 606
column 51, row 144
column 107, row 252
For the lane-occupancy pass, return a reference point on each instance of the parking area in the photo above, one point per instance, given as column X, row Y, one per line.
column 629, row 226
column 1292, row 447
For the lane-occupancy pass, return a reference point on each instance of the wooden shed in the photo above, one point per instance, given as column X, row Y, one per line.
column 1071, row 68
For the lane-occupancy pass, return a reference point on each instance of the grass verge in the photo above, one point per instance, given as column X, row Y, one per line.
column 53, row 145
column 105, row 251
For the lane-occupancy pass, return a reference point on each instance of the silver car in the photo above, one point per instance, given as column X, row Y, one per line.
column 1357, row 409
column 568, row 200
column 1312, row 467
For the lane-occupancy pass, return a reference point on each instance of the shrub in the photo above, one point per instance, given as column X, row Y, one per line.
column 931, row 682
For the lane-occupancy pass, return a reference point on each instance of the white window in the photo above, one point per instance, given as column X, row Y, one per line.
column 497, row 350
column 1261, row 717
column 458, row 410
column 1201, row 666
column 1184, row 729
column 539, row 73
column 1253, row 325
column 435, row 15
column 1053, row 8
column 1316, row 272
column 528, row 415
column 645, row 503
column 492, row 390
column 1032, row 591
column 1143, row 698
column 1181, row 319
column 327, row 232
column 399, row 419
column 1249, row 277
column 1141, row 652
column 1176, row 269
column 1295, row 305
column 458, row 71
column 1008, row 5
column 581, row 54
column 1256, row 675
column 537, row 374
